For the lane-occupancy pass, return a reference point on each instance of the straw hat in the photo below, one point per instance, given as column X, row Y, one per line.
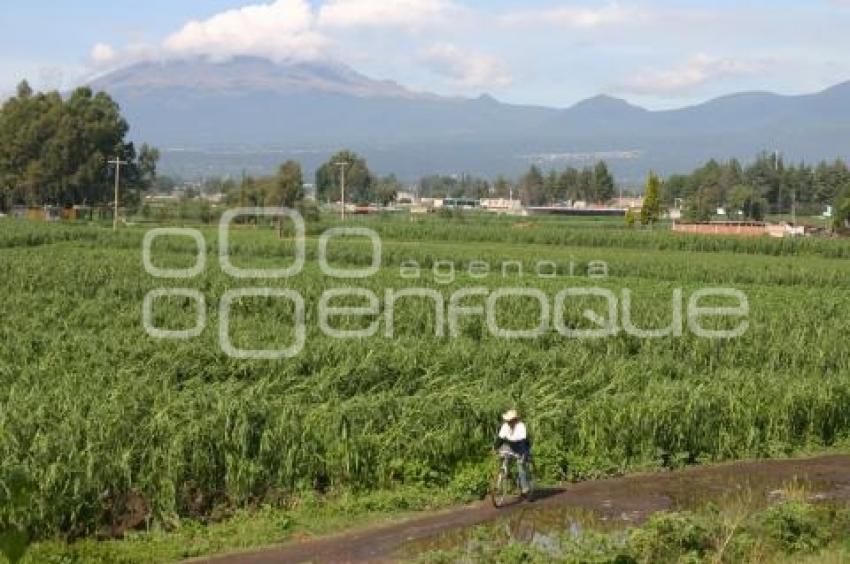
column 510, row 415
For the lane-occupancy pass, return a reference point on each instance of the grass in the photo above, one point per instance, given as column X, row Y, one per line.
column 791, row 530
column 302, row 517
column 94, row 410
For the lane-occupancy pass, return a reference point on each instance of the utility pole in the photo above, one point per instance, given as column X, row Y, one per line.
column 117, row 162
column 794, row 207
column 342, row 166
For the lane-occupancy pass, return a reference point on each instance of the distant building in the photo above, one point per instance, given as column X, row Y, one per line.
column 627, row 203
column 431, row 203
column 742, row 228
column 404, row 197
column 216, row 198
column 501, row 205
column 460, row 203
column 161, row 197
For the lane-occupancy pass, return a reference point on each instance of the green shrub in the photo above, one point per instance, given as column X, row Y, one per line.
column 666, row 537
column 472, row 481
column 795, row 526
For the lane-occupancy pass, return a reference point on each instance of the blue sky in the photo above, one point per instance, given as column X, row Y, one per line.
column 656, row 53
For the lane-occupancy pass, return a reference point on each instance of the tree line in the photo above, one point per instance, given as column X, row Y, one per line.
column 54, row 150
column 593, row 184
column 590, row 184
column 286, row 187
column 768, row 185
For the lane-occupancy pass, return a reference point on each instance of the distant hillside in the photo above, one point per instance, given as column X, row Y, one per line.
column 250, row 113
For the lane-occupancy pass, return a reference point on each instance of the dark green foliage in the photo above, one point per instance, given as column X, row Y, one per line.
column 650, row 212
column 284, row 189
column 462, row 186
column 288, row 186
column 745, row 202
column 532, row 188
column 768, row 185
column 387, row 189
column 667, row 537
column 841, row 212
column 795, row 526
column 603, row 183
column 359, row 181
column 55, row 150
column 591, row 184
column 17, row 502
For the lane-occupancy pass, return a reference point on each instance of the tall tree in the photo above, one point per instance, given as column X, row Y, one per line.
column 288, row 186
column 841, row 208
column 569, row 184
column 604, row 182
column 501, row 187
column 437, row 186
column 586, row 187
column 387, row 189
column 551, row 187
column 55, row 150
column 650, row 213
column 531, row 187
column 358, row 179
column 148, row 159
column 745, row 201
column 674, row 188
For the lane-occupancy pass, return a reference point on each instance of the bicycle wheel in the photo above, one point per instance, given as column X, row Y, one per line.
column 500, row 489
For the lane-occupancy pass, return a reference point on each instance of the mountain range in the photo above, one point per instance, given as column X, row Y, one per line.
column 248, row 114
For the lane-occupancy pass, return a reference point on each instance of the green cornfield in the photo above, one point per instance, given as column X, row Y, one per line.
column 93, row 409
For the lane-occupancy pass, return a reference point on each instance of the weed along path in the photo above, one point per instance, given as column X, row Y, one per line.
column 614, row 502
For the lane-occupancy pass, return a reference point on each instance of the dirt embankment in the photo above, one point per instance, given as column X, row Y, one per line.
column 629, row 498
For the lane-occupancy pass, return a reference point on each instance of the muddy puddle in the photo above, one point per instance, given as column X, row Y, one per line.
column 614, row 505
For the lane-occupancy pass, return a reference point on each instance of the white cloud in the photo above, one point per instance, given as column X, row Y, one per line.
column 697, row 71
column 284, row 29
column 385, row 13
column 103, row 54
column 465, row 69
column 281, row 29
column 573, row 16
column 104, row 57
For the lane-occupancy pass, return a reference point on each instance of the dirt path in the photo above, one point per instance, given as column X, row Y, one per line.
column 629, row 498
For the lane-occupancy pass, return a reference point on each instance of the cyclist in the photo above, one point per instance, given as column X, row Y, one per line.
column 513, row 436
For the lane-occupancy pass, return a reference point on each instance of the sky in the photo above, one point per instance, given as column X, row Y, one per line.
column 655, row 53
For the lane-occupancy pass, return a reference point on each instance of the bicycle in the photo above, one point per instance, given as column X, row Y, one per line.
column 506, row 483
